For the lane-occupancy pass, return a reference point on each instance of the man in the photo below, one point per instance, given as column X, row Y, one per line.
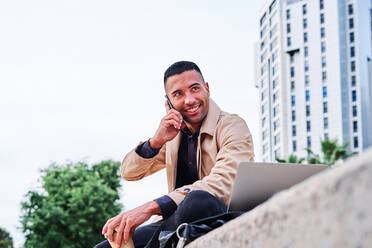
column 199, row 145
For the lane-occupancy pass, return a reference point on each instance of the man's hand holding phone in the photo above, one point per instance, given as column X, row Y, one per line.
column 168, row 128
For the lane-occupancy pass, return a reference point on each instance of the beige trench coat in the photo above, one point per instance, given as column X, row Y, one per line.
column 223, row 142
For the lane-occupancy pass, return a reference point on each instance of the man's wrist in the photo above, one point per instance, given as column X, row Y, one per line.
column 155, row 144
column 153, row 207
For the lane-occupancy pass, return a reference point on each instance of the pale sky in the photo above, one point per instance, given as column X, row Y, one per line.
column 82, row 80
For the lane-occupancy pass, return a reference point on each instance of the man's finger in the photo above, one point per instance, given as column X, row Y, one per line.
column 104, row 229
column 110, row 232
column 119, row 233
column 128, row 227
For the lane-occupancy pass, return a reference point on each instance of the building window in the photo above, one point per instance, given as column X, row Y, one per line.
column 306, row 65
column 288, row 41
column 277, row 153
column 308, row 126
column 352, row 52
column 308, row 141
column 273, row 30
column 321, row 18
column 263, row 95
column 353, row 80
column 263, row 69
column 350, row 9
column 352, row 38
column 288, row 14
column 293, row 101
column 325, row 107
column 324, row 62
column 288, row 28
column 304, row 9
column 351, row 23
column 274, row 69
column 264, row 148
column 306, row 51
column 292, row 72
column 276, row 110
column 272, row 6
column 274, row 56
column 325, row 135
column 355, row 142
column 263, row 122
column 294, row 146
column 292, row 86
column 263, row 18
column 276, row 124
column 307, row 110
column 276, row 139
column 352, row 66
column 275, row 97
column 354, row 95
column 304, row 23
column 325, row 122
column 275, row 82
column 355, row 114
column 307, row 95
column 294, row 133
column 293, row 115
column 273, row 43
column 291, row 58
column 324, row 76
column 321, row 4
column 305, row 37
column 324, row 91
column 307, row 80
column 322, row 32
column 323, row 47
column 264, row 134
column 355, row 126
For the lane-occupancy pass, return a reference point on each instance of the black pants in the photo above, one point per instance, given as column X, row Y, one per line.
column 196, row 205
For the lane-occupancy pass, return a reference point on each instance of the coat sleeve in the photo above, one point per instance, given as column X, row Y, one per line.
column 235, row 145
column 134, row 167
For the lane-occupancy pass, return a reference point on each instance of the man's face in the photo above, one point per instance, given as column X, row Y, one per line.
column 189, row 95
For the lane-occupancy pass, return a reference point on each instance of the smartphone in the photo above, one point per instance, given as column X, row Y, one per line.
column 171, row 105
column 169, row 102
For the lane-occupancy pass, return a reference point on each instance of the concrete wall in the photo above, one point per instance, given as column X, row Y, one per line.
column 331, row 209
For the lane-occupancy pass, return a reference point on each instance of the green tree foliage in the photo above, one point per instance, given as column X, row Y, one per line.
column 331, row 153
column 72, row 204
column 5, row 240
column 293, row 159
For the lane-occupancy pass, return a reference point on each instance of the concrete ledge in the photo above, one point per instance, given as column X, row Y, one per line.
column 331, row 209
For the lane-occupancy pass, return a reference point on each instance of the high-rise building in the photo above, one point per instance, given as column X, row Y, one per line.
column 314, row 75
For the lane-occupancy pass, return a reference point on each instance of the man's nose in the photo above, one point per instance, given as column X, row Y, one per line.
column 189, row 99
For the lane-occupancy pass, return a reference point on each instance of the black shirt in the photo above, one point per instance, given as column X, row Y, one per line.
column 187, row 170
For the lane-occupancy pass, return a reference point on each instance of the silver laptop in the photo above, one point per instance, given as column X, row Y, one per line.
column 257, row 182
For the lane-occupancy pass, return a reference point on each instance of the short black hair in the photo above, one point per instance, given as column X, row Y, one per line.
column 179, row 67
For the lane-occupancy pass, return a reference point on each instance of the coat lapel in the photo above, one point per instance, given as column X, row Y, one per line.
column 172, row 159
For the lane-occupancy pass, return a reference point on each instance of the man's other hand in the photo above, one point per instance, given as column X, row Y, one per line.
column 168, row 128
column 126, row 222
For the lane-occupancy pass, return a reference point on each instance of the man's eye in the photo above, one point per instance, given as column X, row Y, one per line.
column 195, row 88
column 177, row 94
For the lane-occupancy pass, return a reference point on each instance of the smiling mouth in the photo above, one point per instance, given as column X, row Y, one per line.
column 193, row 109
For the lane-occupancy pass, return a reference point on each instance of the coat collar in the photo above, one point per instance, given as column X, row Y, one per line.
column 210, row 122
column 208, row 126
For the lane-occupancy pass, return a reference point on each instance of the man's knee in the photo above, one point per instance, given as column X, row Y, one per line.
column 199, row 204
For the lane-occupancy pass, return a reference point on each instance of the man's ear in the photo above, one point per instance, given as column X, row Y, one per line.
column 207, row 87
